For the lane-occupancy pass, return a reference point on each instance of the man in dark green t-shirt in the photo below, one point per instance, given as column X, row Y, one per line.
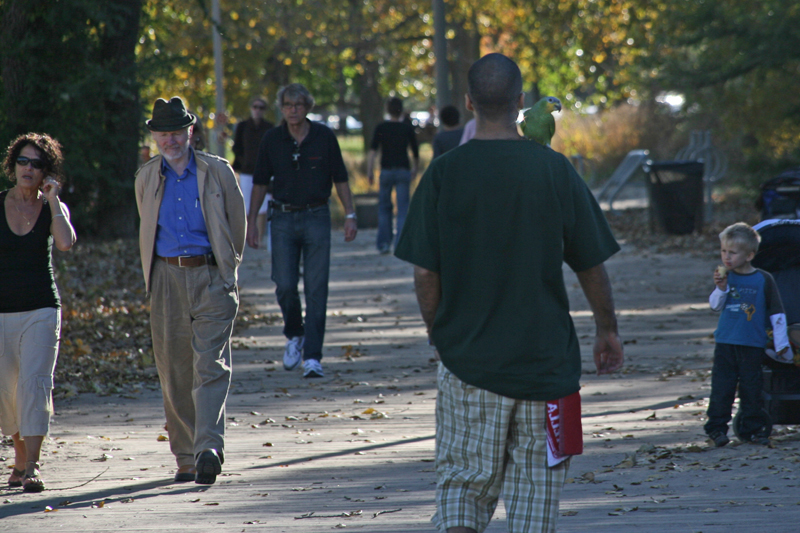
column 489, row 227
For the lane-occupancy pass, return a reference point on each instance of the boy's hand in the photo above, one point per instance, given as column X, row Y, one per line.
column 721, row 281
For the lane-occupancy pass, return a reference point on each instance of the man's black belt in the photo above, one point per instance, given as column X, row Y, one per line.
column 285, row 208
column 190, row 260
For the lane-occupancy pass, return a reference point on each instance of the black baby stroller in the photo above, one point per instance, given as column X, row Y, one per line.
column 779, row 254
column 780, row 196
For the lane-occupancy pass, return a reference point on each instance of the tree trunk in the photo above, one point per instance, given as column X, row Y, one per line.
column 117, row 216
column 465, row 49
column 13, row 26
column 371, row 101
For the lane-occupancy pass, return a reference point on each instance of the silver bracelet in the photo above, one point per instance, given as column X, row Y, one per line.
column 350, row 215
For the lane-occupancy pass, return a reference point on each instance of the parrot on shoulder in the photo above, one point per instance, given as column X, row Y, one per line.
column 538, row 123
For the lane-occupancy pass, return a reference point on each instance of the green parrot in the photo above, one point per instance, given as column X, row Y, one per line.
column 538, row 123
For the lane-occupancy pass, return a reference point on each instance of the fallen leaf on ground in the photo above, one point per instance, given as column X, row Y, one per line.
column 628, row 462
column 378, row 513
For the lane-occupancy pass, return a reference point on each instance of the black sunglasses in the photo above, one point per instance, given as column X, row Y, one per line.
column 23, row 161
column 259, row 107
column 296, row 157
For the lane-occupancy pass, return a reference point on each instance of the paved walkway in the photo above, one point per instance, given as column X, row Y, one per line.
column 354, row 450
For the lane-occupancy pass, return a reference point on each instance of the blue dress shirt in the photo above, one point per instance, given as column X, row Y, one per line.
column 181, row 226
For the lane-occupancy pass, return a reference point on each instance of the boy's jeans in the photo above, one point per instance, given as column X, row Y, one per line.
column 732, row 364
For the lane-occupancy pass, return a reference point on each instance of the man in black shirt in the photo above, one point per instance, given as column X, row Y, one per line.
column 246, row 139
column 393, row 137
column 304, row 160
column 450, row 134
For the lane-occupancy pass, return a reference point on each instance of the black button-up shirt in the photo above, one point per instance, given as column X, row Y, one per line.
column 303, row 175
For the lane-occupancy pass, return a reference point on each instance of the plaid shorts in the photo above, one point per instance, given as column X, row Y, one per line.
column 485, row 442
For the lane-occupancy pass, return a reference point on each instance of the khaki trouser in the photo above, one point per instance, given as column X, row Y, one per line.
column 28, row 350
column 191, row 317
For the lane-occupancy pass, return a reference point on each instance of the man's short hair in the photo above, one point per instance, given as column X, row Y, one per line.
column 294, row 91
column 495, row 84
column 259, row 99
column 449, row 116
column 743, row 235
column 394, row 106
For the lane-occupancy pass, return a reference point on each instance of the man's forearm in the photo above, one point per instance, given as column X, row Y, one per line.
column 428, row 286
column 345, row 196
column 256, row 199
column 608, row 352
column 371, row 163
column 597, row 288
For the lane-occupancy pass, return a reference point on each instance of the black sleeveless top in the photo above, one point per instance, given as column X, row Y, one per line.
column 26, row 271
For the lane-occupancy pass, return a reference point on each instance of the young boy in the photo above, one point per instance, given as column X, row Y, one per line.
column 749, row 300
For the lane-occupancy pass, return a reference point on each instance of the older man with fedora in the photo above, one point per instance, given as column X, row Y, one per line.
column 191, row 239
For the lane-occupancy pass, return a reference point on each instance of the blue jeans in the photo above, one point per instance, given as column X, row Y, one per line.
column 400, row 179
column 308, row 233
column 736, row 364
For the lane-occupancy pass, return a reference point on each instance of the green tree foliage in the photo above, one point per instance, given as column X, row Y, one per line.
column 583, row 51
column 351, row 54
column 735, row 61
column 68, row 69
column 740, row 62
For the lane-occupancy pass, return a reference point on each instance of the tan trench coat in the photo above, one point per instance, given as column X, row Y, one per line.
column 222, row 205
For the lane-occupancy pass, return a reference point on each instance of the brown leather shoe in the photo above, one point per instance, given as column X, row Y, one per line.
column 185, row 473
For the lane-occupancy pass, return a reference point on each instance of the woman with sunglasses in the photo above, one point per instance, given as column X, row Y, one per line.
column 32, row 219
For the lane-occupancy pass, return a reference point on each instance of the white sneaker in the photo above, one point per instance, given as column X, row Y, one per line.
column 312, row 369
column 293, row 353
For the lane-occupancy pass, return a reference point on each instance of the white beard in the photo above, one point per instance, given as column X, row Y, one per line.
column 170, row 157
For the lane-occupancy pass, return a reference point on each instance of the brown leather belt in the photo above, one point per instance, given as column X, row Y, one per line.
column 285, row 208
column 190, row 260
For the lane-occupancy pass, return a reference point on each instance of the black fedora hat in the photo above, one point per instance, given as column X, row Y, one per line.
column 170, row 116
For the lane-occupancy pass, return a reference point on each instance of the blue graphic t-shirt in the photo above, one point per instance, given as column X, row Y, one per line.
column 750, row 301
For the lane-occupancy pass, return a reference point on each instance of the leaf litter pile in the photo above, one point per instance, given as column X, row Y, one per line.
column 105, row 320
column 636, row 227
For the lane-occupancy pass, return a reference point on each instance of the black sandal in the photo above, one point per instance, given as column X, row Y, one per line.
column 17, row 473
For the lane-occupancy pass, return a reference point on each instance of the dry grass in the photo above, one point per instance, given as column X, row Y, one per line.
column 603, row 139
